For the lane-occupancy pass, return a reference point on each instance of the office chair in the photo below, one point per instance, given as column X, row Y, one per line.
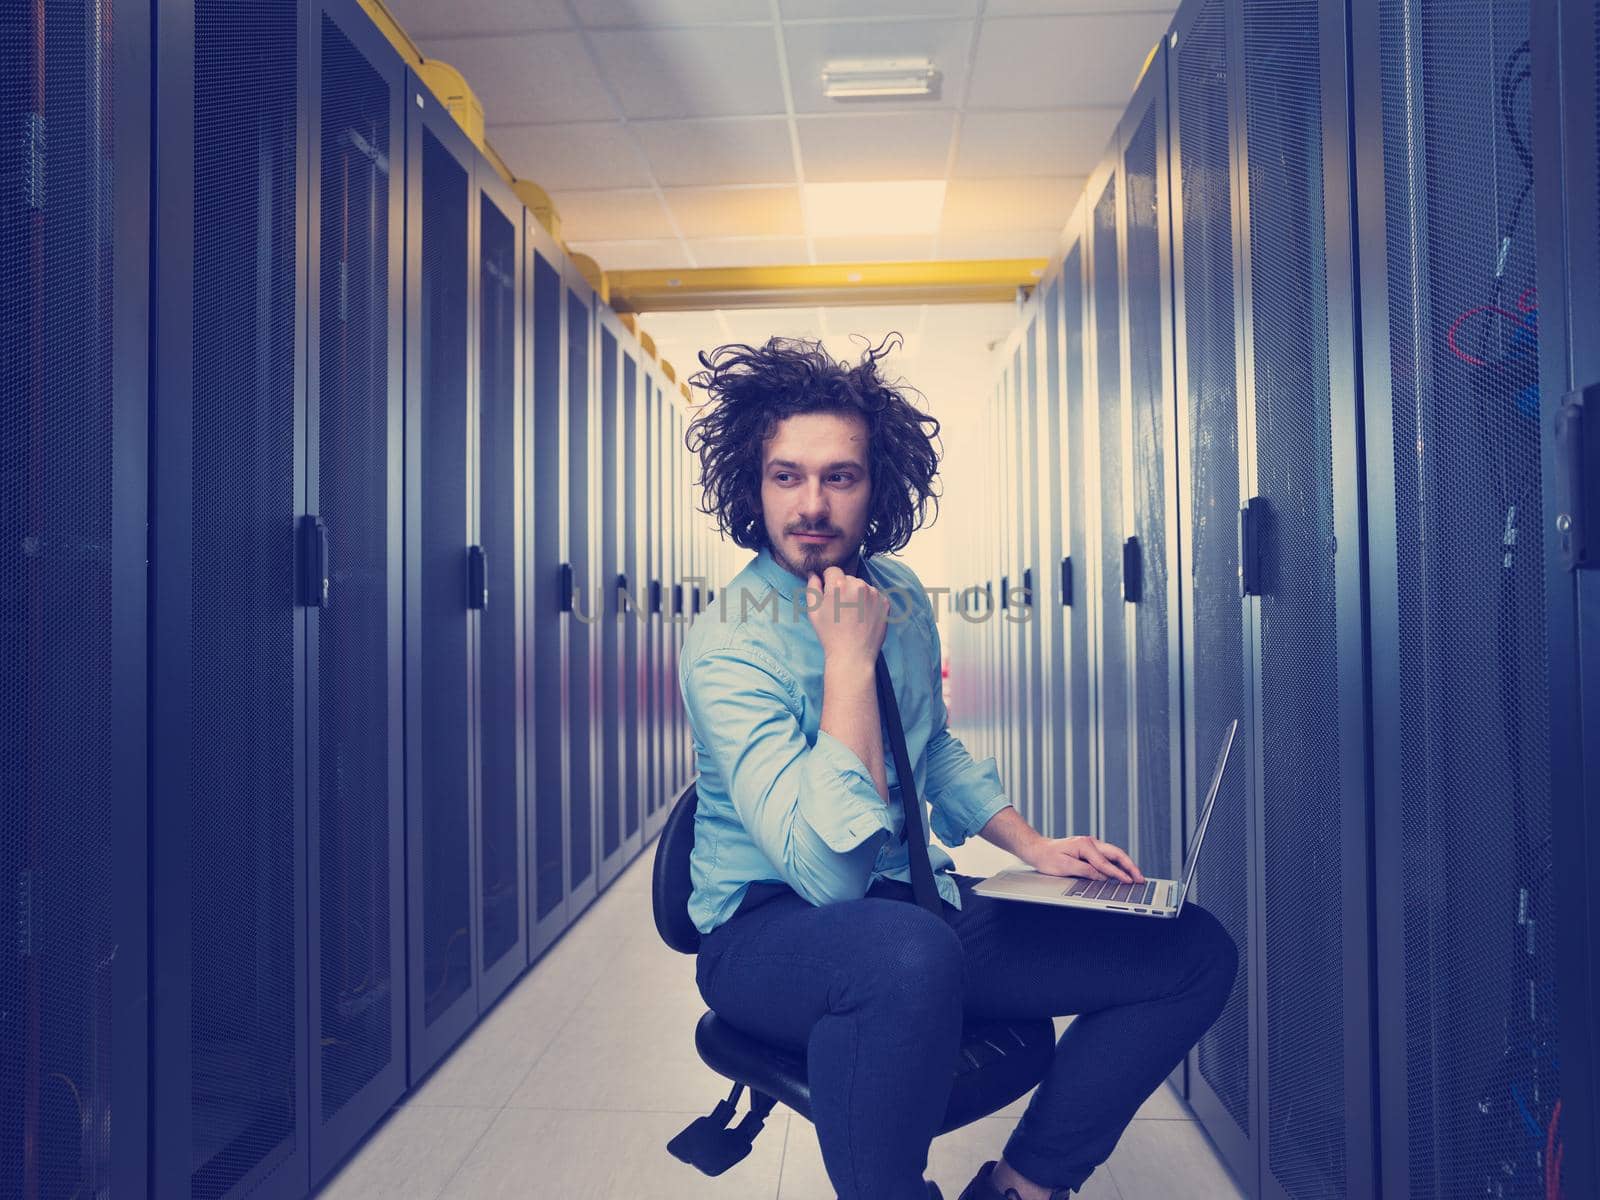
column 1000, row 1060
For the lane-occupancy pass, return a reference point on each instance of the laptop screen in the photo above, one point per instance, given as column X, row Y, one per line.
column 1211, row 800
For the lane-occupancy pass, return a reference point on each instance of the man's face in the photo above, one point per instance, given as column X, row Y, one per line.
column 814, row 479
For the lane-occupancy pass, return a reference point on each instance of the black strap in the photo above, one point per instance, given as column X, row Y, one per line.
column 922, row 885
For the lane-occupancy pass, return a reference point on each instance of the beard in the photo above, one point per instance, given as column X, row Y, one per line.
column 814, row 560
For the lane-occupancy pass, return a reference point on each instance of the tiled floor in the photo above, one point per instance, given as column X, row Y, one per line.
column 571, row 1088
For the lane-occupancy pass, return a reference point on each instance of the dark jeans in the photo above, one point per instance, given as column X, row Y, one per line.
column 876, row 991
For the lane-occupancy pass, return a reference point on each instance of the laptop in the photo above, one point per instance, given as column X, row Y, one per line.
column 1152, row 898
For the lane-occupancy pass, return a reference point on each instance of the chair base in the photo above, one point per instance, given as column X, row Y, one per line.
column 710, row 1146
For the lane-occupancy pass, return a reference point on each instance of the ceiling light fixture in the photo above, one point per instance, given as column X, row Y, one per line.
column 876, row 78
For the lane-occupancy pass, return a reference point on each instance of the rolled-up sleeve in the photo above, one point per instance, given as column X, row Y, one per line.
column 812, row 810
column 963, row 794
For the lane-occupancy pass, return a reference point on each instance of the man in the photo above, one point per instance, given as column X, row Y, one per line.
column 800, row 877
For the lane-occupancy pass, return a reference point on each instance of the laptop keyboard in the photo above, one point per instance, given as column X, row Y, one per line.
column 1110, row 889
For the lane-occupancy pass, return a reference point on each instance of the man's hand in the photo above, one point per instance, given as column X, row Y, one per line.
column 1081, row 857
column 851, row 618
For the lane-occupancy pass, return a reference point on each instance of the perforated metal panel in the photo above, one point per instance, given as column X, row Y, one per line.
column 1150, row 414
column 1113, row 659
column 446, row 752
column 580, row 798
column 60, row 783
column 1217, row 651
column 628, row 614
column 359, row 990
column 245, row 975
column 1080, row 684
column 1052, row 549
column 500, row 710
column 1037, row 733
column 609, row 529
column 1482, row 1070
column 1299, row 722
column 546, row 798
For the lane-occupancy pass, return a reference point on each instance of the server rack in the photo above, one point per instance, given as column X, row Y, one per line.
column 499, row 652
column 1216, row 623
column 1571, row 368
column 1079, row 569
column 1150, row 562
column 1102, row 430
column 444, row 581
column 1469, row 597
column 355, row 826
column 74, row 224
column 612, row 339
column 632, row 601
column 1303, row 476
column 580, row 573
column 1055, row 718
column 545, row 637
column 1041, row 729
column 227, row 647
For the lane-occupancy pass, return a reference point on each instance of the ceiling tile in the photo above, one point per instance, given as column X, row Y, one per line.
column 670, row 12
column 748, row 252
column 428, row 18
column 1002, row 205
column 611, row 215
column 1062, row 62
column 1010, row 243
column 874, row 249
column 732, row 150
column 945, row 320
column 800, row 10
column 591, row 154
column 1006, row 8
column 1060, row 142
column 736, row 212
column 810, row 47
column 754, row 326
column 839, row 149
column 637, row 255
column 528, row 78
column 692, row 72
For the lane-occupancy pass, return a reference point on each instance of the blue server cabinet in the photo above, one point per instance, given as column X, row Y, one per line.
column 229, row 1031
column 495, row 583
column 1041, row 728
column 74, row 227
column 1150, row 560
column 1048, row 610
column 1309, row 956
column 632, row 602
column 1217, row 684
column 1476, row 667
column 545, row 524
column 355, row 827
column 443, row 582
column 1076, row 569
column 1103, row 432
column 1571, row 369
column 579, row 647
column 608, row 729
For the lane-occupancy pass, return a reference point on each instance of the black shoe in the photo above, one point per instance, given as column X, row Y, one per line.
column 982, row 1188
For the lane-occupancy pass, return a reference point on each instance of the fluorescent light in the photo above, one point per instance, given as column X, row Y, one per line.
column 870, row 78
column 908, row 206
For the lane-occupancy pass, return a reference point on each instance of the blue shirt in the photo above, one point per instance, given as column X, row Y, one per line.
column 781, row 800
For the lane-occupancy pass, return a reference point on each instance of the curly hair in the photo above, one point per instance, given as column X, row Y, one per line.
column 751, row 389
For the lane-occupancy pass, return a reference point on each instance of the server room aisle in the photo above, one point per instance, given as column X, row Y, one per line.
column 571, row 1088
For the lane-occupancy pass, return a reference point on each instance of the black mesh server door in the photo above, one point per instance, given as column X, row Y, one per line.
column 495, row 581
column 1103, row 431
column 1015, row 402
column 440, row 624
column 1570, row 385
column 1150, row 551
column 581, row 598
column 634, row 590
column 1311, row 970
column 227, row 656
column 1473, row 1069
column 1041, row 727
column 1049, row 611
column 650, row 516
column 608, row 726
column 545, row 539
column 355, row 633
column 74, row 227
column 1217, row 677
column 1078, row 573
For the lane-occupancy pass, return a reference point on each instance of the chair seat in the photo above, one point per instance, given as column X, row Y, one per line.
column 1000, row 1061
